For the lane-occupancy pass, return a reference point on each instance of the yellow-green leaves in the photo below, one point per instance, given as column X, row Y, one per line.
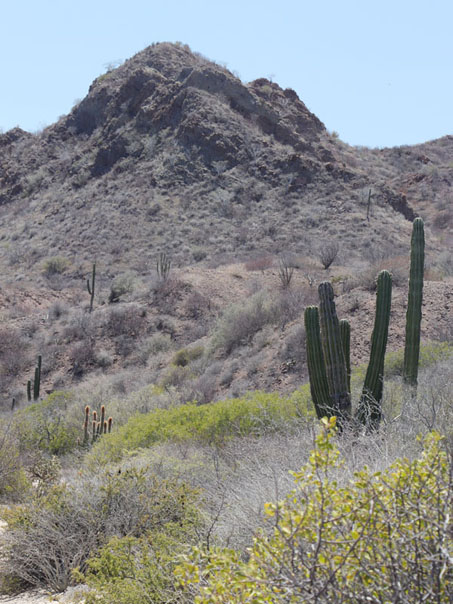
column 383, row 537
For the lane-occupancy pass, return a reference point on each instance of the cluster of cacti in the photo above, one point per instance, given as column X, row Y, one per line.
column 328, row 355
column 90, row 287
column 36, row 382
column 163, row 266
column 328, row 345
column 103, row 426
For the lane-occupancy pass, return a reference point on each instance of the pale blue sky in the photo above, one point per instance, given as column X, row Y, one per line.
column 379, row 73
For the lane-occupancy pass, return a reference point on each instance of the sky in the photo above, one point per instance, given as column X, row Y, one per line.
column 379, row 73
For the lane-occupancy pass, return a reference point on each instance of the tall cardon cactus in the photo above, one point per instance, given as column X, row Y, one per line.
column 414, row 304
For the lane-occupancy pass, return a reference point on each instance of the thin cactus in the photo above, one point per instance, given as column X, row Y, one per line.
column 163, row 266
column 345, row 334
column 316, row 366
column 333, row 354
column 369, row 410
column 90, row 287
column 37, row 380
column 414, row 304
column 29, row 390
column 98, row 428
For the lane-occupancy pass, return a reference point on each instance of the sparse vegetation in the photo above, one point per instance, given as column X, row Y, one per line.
column 202, row 361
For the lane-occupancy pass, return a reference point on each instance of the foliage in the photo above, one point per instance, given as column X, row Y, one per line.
column 384, row 537
column 55, row 533
column 43, row 425
column 214, row 423
column 131, row 570
column 55, row 265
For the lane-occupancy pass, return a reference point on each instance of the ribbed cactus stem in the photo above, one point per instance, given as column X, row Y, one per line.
column 369, row 410
column 109, row 424
column 29, row 390
column 414, row 304
column 316, row 366
column 85, row 425
column 90, row 287
column 37, row 380
column 102, row 415
column 93, row 428
column 345, row 333
column 333, row 354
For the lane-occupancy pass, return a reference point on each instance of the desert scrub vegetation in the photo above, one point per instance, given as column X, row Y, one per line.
column 56, row 532
column 373, row 539
column 214, row 423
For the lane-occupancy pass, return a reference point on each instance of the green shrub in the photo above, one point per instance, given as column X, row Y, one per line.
column 184, row 356
column 214, row 423
column 55, row 265
column 383, row 537
column 133, row 570
column 45, row 425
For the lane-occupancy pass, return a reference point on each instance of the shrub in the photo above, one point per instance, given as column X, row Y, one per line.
column 327, row 253
column 126, row 321
column 186, row 355
column 45, row 425
column 121, row 285
column 48, row 538
column 56, row 265
column 384, row 537
column 241, row 321
column 251, row 415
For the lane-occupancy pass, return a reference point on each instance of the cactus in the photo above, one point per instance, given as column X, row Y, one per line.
column 36, row 382
column 163, row 266
column 369, row 408
column 90, row 288
column 414, row 304
column 340, row 398
column 345, row 334
column 316, row 366
column 103, row 426
column 330, row 370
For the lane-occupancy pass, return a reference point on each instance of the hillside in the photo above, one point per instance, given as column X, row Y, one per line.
column 172, row 153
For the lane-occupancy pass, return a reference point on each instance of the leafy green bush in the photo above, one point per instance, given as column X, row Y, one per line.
column 184, row 356
column 430, row 353
column 131, row 570
column 45, row 425
column 213, row 423
column 384, row 537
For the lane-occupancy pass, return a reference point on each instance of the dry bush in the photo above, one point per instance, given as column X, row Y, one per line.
column 327, row 253
column 13, row 353
column 56, row 533
column 126, row 321
column 82, row 356
column 259, row 263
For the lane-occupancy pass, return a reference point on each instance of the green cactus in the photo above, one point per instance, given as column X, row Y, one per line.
column 316, row 366
column 334, row 360
column 345, row 334
column 90, row 287
column 369, row 408
column 414, row 304
column 337, row 379
column 36, row 382
column 163, row 266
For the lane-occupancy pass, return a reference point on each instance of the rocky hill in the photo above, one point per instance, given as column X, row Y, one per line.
column 172, row 153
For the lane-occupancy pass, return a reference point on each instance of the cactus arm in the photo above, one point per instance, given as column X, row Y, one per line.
column 414, row 304
column 29, row 390
column 316, row 366
column 37, row 380
column 345, row 333
column 90, row 288
column 333, row 354
column 369, row 410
